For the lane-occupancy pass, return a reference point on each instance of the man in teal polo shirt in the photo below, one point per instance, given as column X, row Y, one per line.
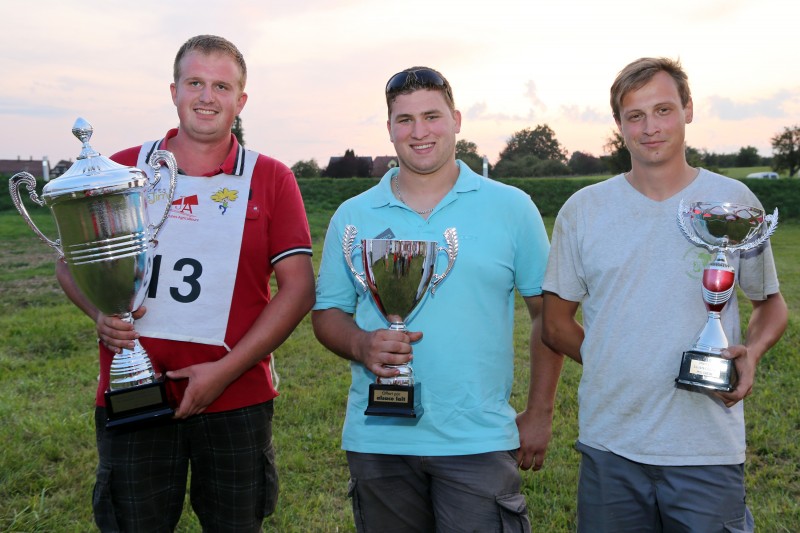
column 459, row 462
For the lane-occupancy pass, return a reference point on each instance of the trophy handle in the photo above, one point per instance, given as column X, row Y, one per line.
column 30, row 183
column 772, row 224
column 157, row 160
column 349, row 236
column 451, row 238
column 683, row 210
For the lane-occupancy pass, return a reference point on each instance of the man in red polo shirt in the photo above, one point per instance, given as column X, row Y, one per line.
column 210, row 323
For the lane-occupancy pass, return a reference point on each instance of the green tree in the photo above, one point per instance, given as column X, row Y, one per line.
column 618, row 158
column 693, row 156
column 786, row 151
column 584, row 164
column 306, row 169
column 467, row 151
column 715, row 160
column 238, row 130
column 530, row 166
column 748, row 157
column 539, row 142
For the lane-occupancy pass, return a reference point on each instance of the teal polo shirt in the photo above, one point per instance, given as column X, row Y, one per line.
column 464, row 362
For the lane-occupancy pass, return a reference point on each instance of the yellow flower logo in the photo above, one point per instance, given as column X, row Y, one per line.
column 223, row 197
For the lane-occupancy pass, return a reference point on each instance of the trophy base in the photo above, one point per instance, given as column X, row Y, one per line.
column 707, row 371
column 137, row 405
column 394, row 400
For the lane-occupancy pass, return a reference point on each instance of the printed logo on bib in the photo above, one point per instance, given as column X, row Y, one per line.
column 157, row 195
column 223, row 197
column 182, row 208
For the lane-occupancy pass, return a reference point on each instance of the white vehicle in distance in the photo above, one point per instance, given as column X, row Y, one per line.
column 764, row 175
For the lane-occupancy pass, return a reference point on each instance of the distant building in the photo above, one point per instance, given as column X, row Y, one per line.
column 60, row 168
column 349, row 166
column 382, row 164
column 39, row 168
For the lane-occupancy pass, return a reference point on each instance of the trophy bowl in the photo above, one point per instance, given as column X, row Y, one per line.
column 725, row 226
column 107, row 243
column 398, row 274
column 723, row 229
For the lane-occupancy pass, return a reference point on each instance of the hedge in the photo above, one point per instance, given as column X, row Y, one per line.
column 549, row 194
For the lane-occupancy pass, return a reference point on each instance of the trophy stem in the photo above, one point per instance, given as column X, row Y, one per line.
column 712, row 338
column 136, row 394
column 406, row 375
column 131, row 368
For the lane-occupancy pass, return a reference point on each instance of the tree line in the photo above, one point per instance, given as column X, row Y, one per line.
column 536, row 152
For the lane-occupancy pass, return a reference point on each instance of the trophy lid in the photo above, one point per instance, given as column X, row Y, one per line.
column 92, row 174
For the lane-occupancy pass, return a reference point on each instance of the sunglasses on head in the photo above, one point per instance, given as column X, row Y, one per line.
column 419, row 78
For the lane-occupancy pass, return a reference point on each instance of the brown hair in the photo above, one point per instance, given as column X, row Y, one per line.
column 418, row 78
column 640, row 72
column 209, row 44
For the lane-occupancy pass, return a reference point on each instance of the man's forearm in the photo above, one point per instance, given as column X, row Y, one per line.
column 545, row 371
column 336, row 330
column 767, row 324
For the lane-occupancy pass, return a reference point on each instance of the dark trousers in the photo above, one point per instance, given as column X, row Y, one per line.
column 142, row 473
column 616, row 495
column 403, row 493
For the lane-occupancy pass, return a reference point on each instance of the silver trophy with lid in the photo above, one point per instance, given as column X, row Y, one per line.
column 107, row 241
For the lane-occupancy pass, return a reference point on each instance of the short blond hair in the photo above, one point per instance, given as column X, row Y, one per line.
column 638, row 73
column 209, row 44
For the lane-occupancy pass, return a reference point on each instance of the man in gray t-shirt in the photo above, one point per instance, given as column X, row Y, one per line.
column 649, row 448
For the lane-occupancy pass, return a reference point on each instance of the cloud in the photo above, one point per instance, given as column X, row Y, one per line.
column 480, row 111
column 31, row 109
column 533, row 96
column 718, row 10
column 571, row 113
column 775, row 106
column 587, row 114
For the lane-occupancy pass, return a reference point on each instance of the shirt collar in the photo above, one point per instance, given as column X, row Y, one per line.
column 234, row 161
column 382, row 195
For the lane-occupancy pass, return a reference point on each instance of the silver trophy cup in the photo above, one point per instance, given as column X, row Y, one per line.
column 107, row 242
column 723, row 229
column 398, row 273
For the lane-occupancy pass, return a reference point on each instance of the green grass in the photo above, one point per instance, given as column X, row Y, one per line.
column 48, row 371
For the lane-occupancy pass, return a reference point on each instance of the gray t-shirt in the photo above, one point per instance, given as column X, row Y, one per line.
column 624, row 257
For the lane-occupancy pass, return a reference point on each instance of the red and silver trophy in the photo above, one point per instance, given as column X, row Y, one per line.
column 107, row 241
column 723, row 229
column 398, row 273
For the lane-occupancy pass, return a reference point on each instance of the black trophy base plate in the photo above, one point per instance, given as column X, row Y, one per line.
column 707, row 371
column 394, row 400
column 137, row 405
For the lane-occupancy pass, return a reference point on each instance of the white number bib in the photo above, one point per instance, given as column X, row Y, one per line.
column 194, row 268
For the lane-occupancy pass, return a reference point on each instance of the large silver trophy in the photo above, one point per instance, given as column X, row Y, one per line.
column 398, row 273
column 107, row 242
column 721, row 228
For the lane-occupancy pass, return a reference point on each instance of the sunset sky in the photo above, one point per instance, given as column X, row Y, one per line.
column 317, row 68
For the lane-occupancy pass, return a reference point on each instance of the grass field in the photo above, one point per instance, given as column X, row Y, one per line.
column 48, row 371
